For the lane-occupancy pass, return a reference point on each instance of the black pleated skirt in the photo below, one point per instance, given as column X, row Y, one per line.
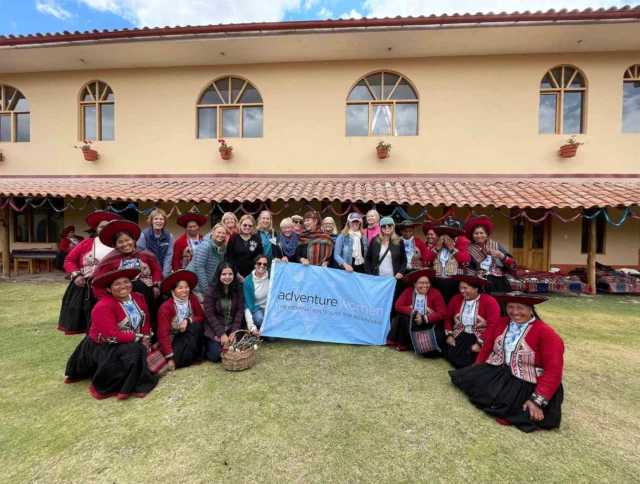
column 189, row 347
column 116, row 369
column 447, row 287
column 73, row 317
column 153, row 305
column 494, row 390
column 461, row 355
column 59, row 261
column 498, row 284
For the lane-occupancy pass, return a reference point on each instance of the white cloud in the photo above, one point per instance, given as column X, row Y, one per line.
column 391, row 8
column 50, row 7
column 160, row 13
column 352, row 14
column 309, row 3
column 325, row 13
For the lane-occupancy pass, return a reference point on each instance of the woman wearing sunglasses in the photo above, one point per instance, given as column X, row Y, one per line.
column 255, row 290
column 386, row 256
column 244, row 246
column 298, row 224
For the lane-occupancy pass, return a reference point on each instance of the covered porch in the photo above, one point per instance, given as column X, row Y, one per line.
column 545, row 224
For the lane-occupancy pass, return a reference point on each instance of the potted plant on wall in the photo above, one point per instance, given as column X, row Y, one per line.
column 226, row 151
column 89, row 153
column 383, row 149
column 570, row 148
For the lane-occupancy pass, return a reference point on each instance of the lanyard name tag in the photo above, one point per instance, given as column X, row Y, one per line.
column 486, row 264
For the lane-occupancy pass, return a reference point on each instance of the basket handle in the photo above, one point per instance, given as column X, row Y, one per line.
column 232, row 336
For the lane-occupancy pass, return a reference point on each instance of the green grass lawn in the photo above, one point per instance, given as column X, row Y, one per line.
column 312, row 412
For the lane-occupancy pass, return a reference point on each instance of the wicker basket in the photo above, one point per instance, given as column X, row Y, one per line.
column 238, row 361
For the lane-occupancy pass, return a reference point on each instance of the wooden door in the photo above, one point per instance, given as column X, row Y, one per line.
column 530, row 242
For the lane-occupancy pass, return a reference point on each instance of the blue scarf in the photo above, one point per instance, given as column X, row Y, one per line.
column 289, row 247
column 157, row 245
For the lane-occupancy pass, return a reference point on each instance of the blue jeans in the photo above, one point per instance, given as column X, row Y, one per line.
column 214, row 351
column 258, row 317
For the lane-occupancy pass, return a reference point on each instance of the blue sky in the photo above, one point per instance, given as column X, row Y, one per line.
column 31, row 16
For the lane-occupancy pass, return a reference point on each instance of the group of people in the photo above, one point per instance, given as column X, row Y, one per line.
column 149, row 305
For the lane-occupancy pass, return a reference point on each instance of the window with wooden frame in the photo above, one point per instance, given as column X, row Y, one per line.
column 230, row 107
column 601, row 231
column 97, row 112
column 15, row 118
column 563, row 93
column 382, row 104
column 631, row 100
column 38, row 225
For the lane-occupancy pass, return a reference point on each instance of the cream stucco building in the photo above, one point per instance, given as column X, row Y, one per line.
column 475, row 110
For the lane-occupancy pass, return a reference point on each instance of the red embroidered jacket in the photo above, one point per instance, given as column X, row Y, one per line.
column 459, row 256
column 428, row 256
column 65, row 243
column 168, row 322
column 486, row 307
column 182, row 252
column 75, row 259
column 151, row 272
column 435, row 302
column 110, row 323
column 538, row 357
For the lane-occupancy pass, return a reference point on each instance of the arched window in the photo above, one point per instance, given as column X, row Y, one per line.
column 563, row 93
column 230, row 107
column 382, row 104
column 97, row 112
column 631, row 100
column 15, row 119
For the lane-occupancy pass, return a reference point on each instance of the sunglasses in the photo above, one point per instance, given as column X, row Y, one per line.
column 247, row 226
column 261, row 264
column 297, row 222
column 386, row 226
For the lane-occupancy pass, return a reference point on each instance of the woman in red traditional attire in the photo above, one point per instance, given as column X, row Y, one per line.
column 451, row 256
column 68, row 240
column 517, row 377
column 186, row 245
column 430, row 236
column 122, row 236
column 114, row 353
column 418, row 257
column 180, row 321
column 469, row 315
column 421, row 312
column 488, row 258
column 77, row 302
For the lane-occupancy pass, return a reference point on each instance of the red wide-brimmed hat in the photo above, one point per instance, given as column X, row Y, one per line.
column 471, row 279
column 94, row 219
column 470, row 226
column 115, row 226
column 196, row 217
column 412, row 277
column 177, row 276
column 66, row 230
column 427, row 226
column 450, row 226
column 103, row 280
column 405, row 224
column 519, row 297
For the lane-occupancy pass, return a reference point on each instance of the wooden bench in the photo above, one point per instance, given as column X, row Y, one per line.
column 31, row 257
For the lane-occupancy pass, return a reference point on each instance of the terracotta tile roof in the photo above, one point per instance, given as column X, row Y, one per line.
column 611, row 14
column 475, row 192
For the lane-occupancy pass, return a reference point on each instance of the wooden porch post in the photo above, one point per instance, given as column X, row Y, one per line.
column 4, row 243
column 591, row 256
